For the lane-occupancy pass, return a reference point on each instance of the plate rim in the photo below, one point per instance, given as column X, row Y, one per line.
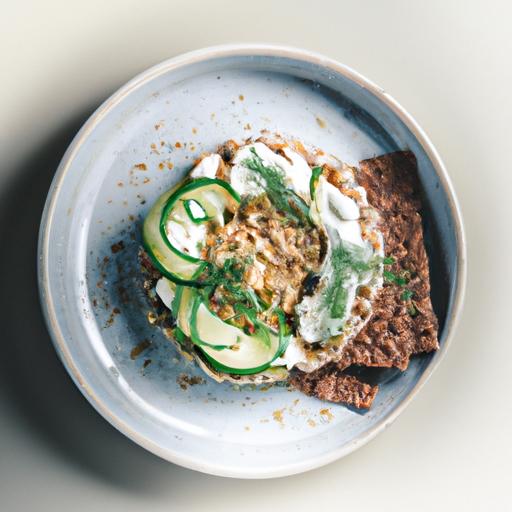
column 47, row 301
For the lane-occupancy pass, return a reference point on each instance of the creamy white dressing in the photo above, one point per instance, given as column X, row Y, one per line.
column 362, row 193
column 350, row 230
column 217, row 203
column 187, row 239
column 196, row 210
column 166, row 290
column 296, row 174
column 207, row 167
column 339, row 215
column 335, row 210
column 293, row 355
column 345, row 206
column 315, row 320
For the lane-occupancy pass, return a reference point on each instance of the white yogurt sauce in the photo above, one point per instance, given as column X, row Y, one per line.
column 293, row 354
column 339, row 215
column 196, row 210
column 296, row 174
column 189, row 240
column 207, row 167
column 337, row 211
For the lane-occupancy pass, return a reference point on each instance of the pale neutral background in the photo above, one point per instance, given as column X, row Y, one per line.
column 448, row 63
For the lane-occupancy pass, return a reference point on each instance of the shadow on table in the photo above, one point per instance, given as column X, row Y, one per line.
column 50, row 408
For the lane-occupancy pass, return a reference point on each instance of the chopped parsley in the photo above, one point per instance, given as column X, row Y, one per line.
column 393, row 278
column 406, row 295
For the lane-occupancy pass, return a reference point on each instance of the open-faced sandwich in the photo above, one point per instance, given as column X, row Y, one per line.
column 277, row 262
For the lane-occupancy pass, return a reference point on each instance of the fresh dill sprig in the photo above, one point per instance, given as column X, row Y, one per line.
column 279, row 195
column 345, row 261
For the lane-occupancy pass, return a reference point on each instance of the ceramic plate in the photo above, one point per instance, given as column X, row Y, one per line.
column 142, row 141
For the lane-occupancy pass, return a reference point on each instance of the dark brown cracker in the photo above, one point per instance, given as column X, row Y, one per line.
column 330, row 384
column 398, row 328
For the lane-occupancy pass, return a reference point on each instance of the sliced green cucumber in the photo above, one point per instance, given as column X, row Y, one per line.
column 208, row 331
column 182, row 233
column 195, row 211
column 166, row 261
column 182, row 307
column 228, row 348
column 169, row 220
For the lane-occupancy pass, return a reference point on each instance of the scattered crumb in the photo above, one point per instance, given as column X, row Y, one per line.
column 141, row 167
column 241, row 97
column 146, row 363
column 212, row 115
column 247, row 428
column 138, row 349
column 159, row 125
column 321, row 122
column 154, row 148
column 152, row 317
column 178, row 144
column 194, row 130
column 161, row 166
column 111, row 318
column 327, row 414
column 277, row 415
column 167, row 333
column 185, row 380
column 117, row 247
column 296, row 401
column 146, row 180
column 311, row 423
column 247, row 126
column 170, row 165
column 120, row 184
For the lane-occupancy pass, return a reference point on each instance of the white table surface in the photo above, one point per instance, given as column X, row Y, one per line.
column 448, row 62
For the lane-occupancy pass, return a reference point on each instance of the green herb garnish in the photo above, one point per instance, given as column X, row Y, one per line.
column 393, row 278
column 406, row 295
column 345, row 259
column 279, row 195
column 315, row 174
column 259, row 329
column 388, row 260
column 230, row 277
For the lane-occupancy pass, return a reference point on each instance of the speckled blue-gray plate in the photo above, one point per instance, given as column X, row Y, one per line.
column 139, row 143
